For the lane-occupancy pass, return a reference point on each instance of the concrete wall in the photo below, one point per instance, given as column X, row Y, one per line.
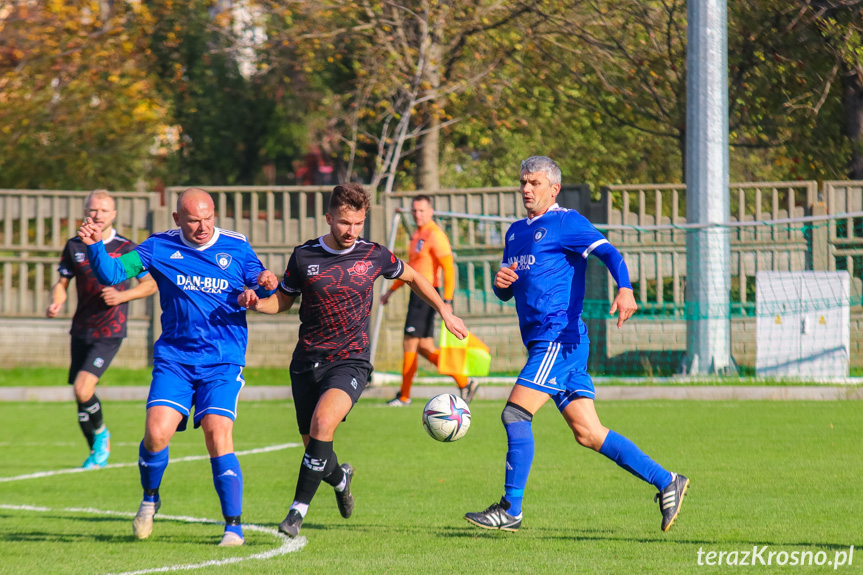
column 29, row 342
column 41, row 342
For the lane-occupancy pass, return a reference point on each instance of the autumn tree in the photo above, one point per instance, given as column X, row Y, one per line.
column 77, row 108
column 397, row 65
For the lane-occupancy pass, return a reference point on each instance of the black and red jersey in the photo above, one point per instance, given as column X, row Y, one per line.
column 337, row 292
column 94, row 319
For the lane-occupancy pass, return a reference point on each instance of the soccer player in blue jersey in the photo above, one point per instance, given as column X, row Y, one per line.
column 544, row 263
column 198, row 360
column 335, row 274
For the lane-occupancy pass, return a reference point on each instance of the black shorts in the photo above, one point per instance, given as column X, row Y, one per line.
column 93, row 357
column 309, row 381
column 420, row 320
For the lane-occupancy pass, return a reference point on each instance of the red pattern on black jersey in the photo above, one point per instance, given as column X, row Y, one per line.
column 94, row 319
column 337, row 292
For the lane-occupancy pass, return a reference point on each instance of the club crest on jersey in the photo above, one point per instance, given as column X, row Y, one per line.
column 539, row 234
column 313, row 270
column 420, row 245
column 79, row 257
column 224, row 260
column 360, row 268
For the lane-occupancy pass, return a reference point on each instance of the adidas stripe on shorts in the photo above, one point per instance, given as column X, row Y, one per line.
column 558, row 369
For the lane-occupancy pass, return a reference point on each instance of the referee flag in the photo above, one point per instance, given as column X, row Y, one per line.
column 469, row 356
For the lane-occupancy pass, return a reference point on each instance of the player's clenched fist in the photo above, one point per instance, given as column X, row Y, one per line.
column 268, row 280
column 53, row 309
column 506, row 276
column 248, row 298
column 89, row 232
column 111, row 296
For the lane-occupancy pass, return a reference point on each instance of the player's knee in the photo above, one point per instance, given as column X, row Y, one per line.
column 513, row 413
column 587, row 437
column 324, row 424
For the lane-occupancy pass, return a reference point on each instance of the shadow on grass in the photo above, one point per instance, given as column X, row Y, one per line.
column 585, row 535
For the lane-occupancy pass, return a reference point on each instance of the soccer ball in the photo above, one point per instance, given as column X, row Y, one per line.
column 446, row 417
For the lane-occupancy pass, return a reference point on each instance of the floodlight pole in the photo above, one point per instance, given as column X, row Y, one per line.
column 708, row 250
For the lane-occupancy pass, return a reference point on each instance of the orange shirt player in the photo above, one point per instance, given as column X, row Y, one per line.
column 430, row 252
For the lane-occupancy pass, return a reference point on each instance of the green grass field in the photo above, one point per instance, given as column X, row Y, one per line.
column 781, row 474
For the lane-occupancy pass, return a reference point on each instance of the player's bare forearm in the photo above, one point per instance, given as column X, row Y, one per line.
column 276, row 303
column 58, row 297
column 421, row 286
column 146, row 287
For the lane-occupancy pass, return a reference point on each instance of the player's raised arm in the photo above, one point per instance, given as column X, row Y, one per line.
column 424, row 289
column 109, row 271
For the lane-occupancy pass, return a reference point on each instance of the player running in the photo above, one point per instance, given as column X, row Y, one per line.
column 430, row 253
column 198, row 360
column 99, row 323
column 335, row 275
column 544, row 263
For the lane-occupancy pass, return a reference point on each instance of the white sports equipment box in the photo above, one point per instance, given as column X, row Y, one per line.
column 802, row 324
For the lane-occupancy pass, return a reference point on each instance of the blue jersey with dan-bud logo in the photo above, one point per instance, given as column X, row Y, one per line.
column 551, row 253
column 202, row 324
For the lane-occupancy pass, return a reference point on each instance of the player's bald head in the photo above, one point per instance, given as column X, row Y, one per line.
column 195, row 215
column 193, row 198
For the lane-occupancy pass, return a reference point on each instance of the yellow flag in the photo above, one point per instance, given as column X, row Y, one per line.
column 469, row 356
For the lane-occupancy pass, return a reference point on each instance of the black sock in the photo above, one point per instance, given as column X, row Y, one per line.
column 95, row 412
column 86, row 419
column 333, row 474
column 315, row 460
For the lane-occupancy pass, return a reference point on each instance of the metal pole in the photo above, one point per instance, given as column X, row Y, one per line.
column 379, row 314
column 708, row 251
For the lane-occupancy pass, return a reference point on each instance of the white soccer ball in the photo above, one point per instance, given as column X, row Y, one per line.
column 446, row 417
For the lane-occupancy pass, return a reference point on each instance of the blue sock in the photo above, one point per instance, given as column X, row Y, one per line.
column 228, row 479
column 519, row 458
column 151, row 466
column 627, row 455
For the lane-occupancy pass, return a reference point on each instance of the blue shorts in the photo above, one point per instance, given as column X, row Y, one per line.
column 211, row 389
column 558, row 369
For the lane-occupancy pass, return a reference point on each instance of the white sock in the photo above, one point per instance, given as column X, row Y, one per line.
column 343, row 484
column 303, row 508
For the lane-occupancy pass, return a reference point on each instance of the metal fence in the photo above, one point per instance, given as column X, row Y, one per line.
column 34, row 228
column 657, row 258
column 35, row 224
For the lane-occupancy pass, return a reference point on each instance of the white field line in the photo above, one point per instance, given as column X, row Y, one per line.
column 41, row 474
column 287, row 545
